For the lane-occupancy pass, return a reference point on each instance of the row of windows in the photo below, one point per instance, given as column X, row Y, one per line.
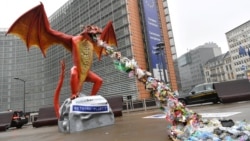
column 240, row 62
column 235, row 51
column 220, row 78
column 241, row 38
column 238, row 30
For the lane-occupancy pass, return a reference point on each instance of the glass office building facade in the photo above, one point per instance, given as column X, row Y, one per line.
column 27, row 68
column 42, row 74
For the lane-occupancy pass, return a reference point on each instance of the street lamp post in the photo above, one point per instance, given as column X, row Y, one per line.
column 160, row 48
column 23, row 91
column 157, row 52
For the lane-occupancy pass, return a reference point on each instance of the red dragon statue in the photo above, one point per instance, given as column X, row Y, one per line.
column 34, row 29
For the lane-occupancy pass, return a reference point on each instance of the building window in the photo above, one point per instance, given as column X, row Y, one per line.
column 228, row 75
column 232, row 75
column 207, row 73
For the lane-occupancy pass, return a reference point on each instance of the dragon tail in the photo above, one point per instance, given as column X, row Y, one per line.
column 58, row 89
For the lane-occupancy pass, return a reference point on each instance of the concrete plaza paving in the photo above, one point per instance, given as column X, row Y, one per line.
column 130, row 127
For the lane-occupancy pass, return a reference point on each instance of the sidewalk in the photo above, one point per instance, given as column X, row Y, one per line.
column 130, row 127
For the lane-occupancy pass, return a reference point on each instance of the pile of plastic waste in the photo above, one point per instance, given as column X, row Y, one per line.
column 186, row 125
column 210, row 130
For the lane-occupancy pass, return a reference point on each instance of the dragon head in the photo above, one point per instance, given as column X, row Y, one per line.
column 92, row 31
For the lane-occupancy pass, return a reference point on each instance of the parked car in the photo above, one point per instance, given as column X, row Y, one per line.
column 19, row 119
column 200, row 94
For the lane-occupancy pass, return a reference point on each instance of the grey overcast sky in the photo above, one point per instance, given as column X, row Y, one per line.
column 10, row 10
column 194, row 22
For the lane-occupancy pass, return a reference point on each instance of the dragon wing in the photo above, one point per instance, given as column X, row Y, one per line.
column 108, row 36
column 34, row 29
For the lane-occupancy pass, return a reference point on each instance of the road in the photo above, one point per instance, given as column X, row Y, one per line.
column 132, row 126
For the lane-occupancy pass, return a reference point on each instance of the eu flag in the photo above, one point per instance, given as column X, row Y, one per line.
column 242, row 51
